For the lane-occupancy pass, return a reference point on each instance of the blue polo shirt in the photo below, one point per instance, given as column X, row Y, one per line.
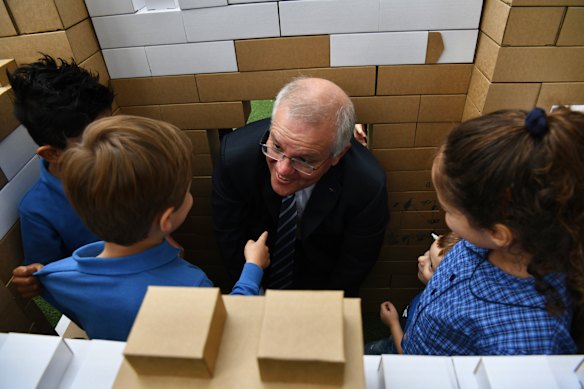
column 103, row 295
column 51, row 229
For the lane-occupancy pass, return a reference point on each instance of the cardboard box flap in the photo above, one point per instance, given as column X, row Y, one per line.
column 435, row 47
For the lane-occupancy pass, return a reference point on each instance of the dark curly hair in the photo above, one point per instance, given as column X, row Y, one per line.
column 495, row 171
column 56, row 100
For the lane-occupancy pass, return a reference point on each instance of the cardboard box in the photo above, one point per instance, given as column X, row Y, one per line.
column 15, row 151
column 423, row 79
column 201, row 186
column 189, row 4
column 373, row 372
column 384, row 273
column 432, row 134
column 283, row 53
column 387, row 109
column 544, row 3
column 529, row 64
column 66, row 328
column 199, row 140
column 459, row 46
column 11, row 251
column 494, row 19
column 571, row 32
column 126, row 62
column 232, row 22
column 357, row 81
column 149, row 111
column 6, row 65
column 3, row 179
column 161, row 4
column 96, row 65
column 177, row 332
column 441, row 108
column 560, row 94
column 417, row 219
column 31, row 361
column 6, row 25
column 202, row 165
column 413, row 201
column 246, row 1
column 490, row 97
column 580, row 372
column 524, row 372
column 206, row 115
column 401, row 371
column 305, row 17
column 424, row 15
column 204, row 57
column 144, row 28
column 389, row 136
column 156, row 90
column 113, row 7
column 470, row 110
column 9, row 121
column 77, row 42
column 373, row 297
column 419, row 158
column 302, row 337
column 563, row 368
column 237, row 364
column 382, row 48
column 404, row 181
column 33, row 16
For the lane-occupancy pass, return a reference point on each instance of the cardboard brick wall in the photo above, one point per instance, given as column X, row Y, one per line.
column 439, row 63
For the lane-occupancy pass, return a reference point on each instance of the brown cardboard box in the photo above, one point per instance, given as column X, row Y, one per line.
column 202, row 165
column 400, row 297
column 423, row 79
column 78, row 42
column 96, row 65
column 384, row 273
column 302, row 337
column 544, row 3
column 3, row 179
column 355, row 81
column 201, row 186
column 494, row 19
column 6, row 65
column 415, row 237
column 156, row 90
column 387, row 109
column 560, row 94
column 405, row 181
column 420, row 158
column 237, row 364
column 490, row 97
column 177, row 332
column 413, row 201
column 389, row 136
column 206, row 115
column 470, row 110
column 6, row 25
column 283, row 53
column 403, row 252
column 33, row 16
column 441, row 108
column 11, row 252
column 572, row 33
column 9, row 121
column 148, row 111
column 423, row 219
column 529, row 64
column 199, row 140
column 432, row 134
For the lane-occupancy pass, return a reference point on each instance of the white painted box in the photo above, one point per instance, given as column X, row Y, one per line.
column 311, row 17
column 127, row 62
column 15, row 151
column 113, row 7
column 516, row 372
column 161, row 4
column 203, row 57
column 459, row 46
column 382, row 48
column 373, row 372
column 244, row 21
column 144, row 28
column 415, row 15
column 418, row 372
column 191, row 4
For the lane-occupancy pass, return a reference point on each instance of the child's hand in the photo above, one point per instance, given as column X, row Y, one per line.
column 25, row 283
column 388, row 314
column 257, row 252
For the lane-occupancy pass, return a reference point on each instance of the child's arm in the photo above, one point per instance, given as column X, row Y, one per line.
column 257, row 258
column 25, row 283
column 389, row 317
column 257, row 252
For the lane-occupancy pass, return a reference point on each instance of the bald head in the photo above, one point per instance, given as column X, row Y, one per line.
column 317, row 101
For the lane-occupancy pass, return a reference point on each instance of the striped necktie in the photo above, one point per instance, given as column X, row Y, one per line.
column 282, row 267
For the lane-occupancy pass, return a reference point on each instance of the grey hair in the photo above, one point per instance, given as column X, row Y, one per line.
column 315, row 111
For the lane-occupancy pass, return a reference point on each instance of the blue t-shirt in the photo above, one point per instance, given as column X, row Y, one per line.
column 471, row 307
column 103, row 295
column 51, row 229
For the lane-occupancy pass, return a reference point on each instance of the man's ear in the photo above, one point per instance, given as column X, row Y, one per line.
column 49, row 153
column 166, row 222
column 338, row 157
column 501, row 235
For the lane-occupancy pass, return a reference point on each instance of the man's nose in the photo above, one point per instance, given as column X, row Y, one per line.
column 285, row 167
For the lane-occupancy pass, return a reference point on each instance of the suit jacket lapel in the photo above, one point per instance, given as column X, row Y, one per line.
column 323, row 199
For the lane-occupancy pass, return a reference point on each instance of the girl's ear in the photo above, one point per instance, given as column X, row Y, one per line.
column 165, row 223
column 49, row 153
column 501, row 235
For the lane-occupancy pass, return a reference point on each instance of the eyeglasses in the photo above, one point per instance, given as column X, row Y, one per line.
column 297, row 164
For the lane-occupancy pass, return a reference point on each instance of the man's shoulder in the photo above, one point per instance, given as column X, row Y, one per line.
column 242, row 139
column 360, row 165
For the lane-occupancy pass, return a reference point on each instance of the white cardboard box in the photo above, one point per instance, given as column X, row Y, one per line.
column 113, row 7
column 564, row 369
column 127, row 62
column 100, row 365
column 580, row 372
column 311, row 17
column 418, row 372
column 373, row 372
column 383, row 48
column 15, row 151
column 190, row 4
column 203, row 57
column 419, row 15
column 249, row 1
column 33, row 361
column 519, row 373
column 161, row 4
column 244, row 21
column 459, row 46
column 143, row 28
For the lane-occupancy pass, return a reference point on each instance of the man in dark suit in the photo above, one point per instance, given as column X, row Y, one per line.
column 307, row 150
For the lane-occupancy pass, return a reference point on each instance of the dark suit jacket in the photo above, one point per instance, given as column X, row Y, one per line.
column 343, row 225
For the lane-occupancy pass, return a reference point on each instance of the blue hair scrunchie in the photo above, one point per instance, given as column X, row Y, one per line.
column 536, row 122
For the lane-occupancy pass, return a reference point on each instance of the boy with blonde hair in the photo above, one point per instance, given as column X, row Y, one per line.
column 129, row 180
